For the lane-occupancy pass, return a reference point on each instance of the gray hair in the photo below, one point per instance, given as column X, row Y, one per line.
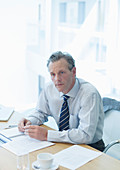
column 58, row 55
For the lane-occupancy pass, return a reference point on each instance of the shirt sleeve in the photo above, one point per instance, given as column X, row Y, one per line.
column 41, row 112
column 90, row 123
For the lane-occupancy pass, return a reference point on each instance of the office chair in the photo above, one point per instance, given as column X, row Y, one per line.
column 111, row 144
column 111, row 133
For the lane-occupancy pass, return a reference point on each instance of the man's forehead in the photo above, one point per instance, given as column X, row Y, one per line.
column 58, row 64
column 58, row 70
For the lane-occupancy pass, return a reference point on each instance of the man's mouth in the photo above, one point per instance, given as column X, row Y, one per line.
column 58, row 85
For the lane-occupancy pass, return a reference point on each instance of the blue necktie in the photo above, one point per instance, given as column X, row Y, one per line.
column 64, row 115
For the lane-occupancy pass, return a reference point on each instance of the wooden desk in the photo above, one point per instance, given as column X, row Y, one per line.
column 8, row 160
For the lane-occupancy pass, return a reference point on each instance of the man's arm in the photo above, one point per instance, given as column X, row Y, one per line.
column 40, row 114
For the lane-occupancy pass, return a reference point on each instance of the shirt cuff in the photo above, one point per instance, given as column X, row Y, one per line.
column 52, row 135
column 58, row 136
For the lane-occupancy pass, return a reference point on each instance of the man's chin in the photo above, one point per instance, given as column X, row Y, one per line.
column 59, row 89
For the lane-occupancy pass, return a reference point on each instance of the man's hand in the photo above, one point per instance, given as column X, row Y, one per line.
column 36, row 132
column 21, row 125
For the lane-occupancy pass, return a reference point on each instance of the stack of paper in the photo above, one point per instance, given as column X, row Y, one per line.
column 11, row 132
column 5, row 112
column 21, row 143
column 25, row 144
column 4, row 139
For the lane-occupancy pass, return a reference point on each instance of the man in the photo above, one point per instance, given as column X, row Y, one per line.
column 82, row 103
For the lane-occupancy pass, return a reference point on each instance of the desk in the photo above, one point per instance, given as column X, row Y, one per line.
column 8, row 160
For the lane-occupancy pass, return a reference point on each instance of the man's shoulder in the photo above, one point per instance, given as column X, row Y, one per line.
column 87, row 86
column 84, row 82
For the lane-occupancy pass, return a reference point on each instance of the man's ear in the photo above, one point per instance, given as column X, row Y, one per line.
column 74, row 71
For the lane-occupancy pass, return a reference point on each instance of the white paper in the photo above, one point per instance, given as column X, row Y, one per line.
column 4, row 139
column 5, row 112
column 24, row 144
column 75, row 156
column 12, row 132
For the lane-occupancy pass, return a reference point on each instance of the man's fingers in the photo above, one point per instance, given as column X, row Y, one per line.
column 28, row 123
column 22, row 124
column 30, row 127
column 29, row 130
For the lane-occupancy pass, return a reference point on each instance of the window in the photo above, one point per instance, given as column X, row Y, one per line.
column 87, row 29
column 100, row 52
column 81, row 12
column 62, row 12
column 39, row 12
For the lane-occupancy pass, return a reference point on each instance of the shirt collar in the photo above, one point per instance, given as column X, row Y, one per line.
column 73, row 92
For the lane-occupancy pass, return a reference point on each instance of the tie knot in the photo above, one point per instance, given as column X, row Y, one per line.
column 65, row 97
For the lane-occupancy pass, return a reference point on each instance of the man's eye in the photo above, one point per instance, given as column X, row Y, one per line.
column 52, row 75
column 62, row 72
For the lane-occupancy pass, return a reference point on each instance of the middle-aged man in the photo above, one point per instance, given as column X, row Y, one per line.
column 75, row 105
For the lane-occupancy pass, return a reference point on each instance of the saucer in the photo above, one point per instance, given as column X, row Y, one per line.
column 36, row 166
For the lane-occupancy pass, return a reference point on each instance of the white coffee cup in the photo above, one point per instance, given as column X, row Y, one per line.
column 45, row 160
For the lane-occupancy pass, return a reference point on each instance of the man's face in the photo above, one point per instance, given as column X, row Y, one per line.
column 61, row 76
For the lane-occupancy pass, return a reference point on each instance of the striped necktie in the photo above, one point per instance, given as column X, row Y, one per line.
column 64, row 115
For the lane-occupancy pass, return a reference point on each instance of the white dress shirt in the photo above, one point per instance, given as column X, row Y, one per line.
column 85, row 109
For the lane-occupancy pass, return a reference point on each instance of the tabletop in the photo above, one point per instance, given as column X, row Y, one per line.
column 8, row 160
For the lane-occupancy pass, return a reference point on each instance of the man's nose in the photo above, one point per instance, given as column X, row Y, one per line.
column 57, row 77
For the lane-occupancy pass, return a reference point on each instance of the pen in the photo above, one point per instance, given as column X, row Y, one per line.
column 11, row 126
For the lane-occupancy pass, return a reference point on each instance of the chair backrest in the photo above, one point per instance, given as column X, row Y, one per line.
column 111, row 132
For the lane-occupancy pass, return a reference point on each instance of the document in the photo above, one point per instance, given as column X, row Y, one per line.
column 5, row 112
column 4, row 139
column 75, row 156
column 20, row 143
column 24, row 144
column 7, row 134
column 11, row 132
